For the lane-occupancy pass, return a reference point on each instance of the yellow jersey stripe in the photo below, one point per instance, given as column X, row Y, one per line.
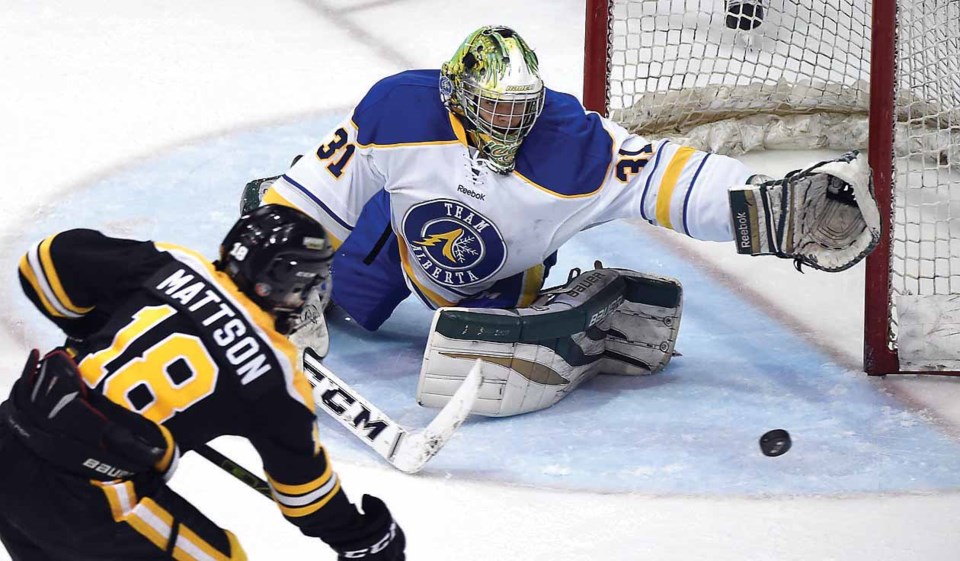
column 151, row 521
column 669, row 183
column 155, row 523
column 54, row 280
column 27, row 271
column 610, row 164
column 144, row 528
column 236, row 552
column 461, row 139
column 303, row 487
column 272, row 197
column 532, row 281
column 164, row 463
column 554, row 193
column 121, row 497
column 458, row 129
column 190, row 546
column 311, row 508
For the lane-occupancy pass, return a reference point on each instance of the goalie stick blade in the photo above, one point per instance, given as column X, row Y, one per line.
column 405, row 450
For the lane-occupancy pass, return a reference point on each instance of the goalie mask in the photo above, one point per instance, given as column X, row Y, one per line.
column 493, row 84
column 276, row 255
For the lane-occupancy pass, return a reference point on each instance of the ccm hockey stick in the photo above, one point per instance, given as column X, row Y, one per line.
column 406, row 450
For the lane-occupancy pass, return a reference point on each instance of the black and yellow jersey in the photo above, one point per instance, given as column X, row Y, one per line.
column 157, row 329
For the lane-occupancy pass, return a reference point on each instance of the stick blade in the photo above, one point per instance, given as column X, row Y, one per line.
column 418, row 448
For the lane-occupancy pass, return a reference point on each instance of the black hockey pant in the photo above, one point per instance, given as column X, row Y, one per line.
column 49, row 515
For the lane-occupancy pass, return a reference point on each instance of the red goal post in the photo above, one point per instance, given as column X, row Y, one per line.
column 881, row 75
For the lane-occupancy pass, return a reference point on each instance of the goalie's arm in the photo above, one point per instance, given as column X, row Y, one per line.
column 824, row 216
column 671, row 186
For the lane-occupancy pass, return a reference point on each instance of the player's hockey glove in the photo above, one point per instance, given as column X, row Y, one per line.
column 54, row 414
column 824, row 216
column 375, row 537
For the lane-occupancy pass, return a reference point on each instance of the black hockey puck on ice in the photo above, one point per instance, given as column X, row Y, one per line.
column 775, row 442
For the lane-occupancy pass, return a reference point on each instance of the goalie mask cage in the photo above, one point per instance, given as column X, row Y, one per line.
column 737, row 75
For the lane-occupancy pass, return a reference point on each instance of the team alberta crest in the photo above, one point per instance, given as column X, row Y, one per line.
column 453, row 243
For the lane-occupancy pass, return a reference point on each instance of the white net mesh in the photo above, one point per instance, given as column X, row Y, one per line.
column 800, row 78
column 675, row 64
column 925, row 257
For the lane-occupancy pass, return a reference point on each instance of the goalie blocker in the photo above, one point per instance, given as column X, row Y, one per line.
column 613, row 321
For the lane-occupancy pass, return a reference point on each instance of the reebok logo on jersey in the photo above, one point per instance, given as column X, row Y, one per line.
column 471, row 193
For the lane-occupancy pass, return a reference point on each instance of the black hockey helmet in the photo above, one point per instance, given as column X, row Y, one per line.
column 276, row 255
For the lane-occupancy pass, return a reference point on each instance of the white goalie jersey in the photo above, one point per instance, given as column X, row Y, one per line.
column 460, row 227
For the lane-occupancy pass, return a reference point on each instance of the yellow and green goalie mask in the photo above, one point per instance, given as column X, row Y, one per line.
column 494, row 84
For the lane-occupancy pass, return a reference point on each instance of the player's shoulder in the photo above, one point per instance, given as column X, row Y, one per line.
column 69, row 242
column 569, row 150
column 87, row 252
column 403, row 109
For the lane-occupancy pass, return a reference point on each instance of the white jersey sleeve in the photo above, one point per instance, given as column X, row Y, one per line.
column 671, row 185
column 332, row 182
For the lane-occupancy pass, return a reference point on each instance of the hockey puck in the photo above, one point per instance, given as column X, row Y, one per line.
column 744, row 14
column 775, row 442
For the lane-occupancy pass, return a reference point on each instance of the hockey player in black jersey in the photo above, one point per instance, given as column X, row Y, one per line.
column 166, row 351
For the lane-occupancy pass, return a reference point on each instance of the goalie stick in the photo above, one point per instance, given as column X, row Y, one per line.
column 406, row 450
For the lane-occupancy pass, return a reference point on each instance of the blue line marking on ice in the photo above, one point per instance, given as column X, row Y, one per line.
column 692, row 429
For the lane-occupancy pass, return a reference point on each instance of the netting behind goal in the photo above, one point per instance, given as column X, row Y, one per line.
column 740, row 75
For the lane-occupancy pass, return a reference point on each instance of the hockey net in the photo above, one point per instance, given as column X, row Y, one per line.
column 740, row 75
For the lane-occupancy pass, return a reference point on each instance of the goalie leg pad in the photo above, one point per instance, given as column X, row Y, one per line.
column 535, row 356
column 642, row 331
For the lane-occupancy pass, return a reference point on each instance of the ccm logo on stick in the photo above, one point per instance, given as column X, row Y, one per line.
column 345, row 406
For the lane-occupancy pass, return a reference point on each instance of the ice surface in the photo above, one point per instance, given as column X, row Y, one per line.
column 146, row 118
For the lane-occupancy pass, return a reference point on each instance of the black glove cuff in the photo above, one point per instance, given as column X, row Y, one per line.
column 376, row 537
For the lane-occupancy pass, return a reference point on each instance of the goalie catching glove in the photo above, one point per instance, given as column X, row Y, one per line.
column 824, row 216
